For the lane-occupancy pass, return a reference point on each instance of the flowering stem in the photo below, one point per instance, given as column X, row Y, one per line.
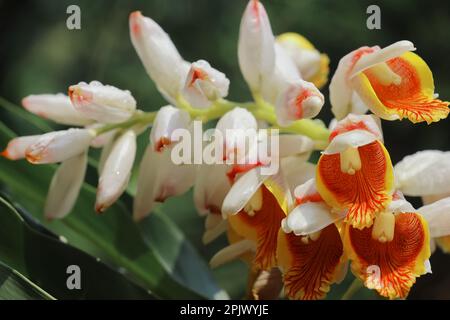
column 354, row 287
column 139, row 118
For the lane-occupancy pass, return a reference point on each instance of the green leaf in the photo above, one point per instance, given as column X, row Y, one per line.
column 112, row 236
column 14, row 286
column 44, row 258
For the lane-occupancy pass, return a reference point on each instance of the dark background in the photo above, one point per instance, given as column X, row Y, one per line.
column 38, row 54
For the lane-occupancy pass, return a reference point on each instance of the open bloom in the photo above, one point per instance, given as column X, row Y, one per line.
column 256, row 203
column 204, row 85
column 159, row 55
column 393, row 83
column 389, row 255
column 309, row 249
column 312, row 65
column 102, row 103
column 355, row 171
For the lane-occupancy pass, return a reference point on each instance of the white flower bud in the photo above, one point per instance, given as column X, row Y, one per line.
column 58, row 146
column 102, row 103
column 55, row 107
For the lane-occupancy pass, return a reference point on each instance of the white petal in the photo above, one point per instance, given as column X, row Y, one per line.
column 65, row 187
column 357, row 105
column 299, row 100
column 204, row 85
column 232, row 252
column 242, row 191
column 102, row 103
column 309, row 217
column 159, row 55
column 394, row 50
column 55, row 107
column 167, row 120
column 296, row 171
column 144, row 203
column 104, row 155
column 238, row 128
column 159, row 178
column 424, row 173
column 17, row 147
column 340, row 88
column 291, row 145
column 437, row 215
column 284, row 72
column 370, row 123
column 58, row 146
column 353, row 139
column 117, row 170
column 211, row 187
column 256, row 51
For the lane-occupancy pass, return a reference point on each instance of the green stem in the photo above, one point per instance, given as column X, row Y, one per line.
column 140, row 118
column 354, row 287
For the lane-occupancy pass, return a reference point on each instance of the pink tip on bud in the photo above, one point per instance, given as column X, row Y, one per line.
column 134, row 24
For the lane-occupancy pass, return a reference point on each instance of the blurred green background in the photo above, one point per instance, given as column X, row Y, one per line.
column 40, row 55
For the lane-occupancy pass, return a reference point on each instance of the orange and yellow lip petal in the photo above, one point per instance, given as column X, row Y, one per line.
column 444, row 243
column 262, row 227
column 413, row 98
column 364, row 193
column 390, row 268
column 309, row 268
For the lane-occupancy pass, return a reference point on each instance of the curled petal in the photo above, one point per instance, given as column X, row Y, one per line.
column 242, row 191
column 256, row 51
column 167, row 120
column 390, row 267
column 424, row 173
column 350, row 140
column 353, row 64
column 204, row 85
column 231, row 252
column 358, row 179
column 312, row 65
column 403, row 88
column 299, row 100
column 310, row 266
column 259, row 222
column 17, row 147
column 65, row 187
column 158, row 54
column 351, row 122
column 102, row 103
column 116, row 172
column 55, row 107
column 58, row 146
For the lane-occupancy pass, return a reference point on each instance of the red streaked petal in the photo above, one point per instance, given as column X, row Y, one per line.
column 262, row 228
column 391, row 267
column 309, row 268
column 364, row 193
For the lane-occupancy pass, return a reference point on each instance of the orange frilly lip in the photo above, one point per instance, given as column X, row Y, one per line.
column 311, row 266
column 390, row 268
column 364, row 193
column 262, row 228
column 412, row 98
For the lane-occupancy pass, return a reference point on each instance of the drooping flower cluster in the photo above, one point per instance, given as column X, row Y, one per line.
column 306, row 220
